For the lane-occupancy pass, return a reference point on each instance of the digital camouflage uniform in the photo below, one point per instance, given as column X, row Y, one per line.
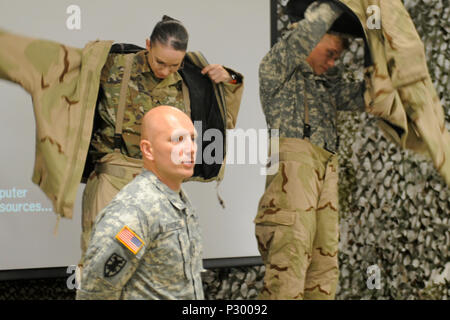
column 297, row 225
column 168, row 260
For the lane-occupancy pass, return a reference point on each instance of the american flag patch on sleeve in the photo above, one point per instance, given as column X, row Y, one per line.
column 130, row 240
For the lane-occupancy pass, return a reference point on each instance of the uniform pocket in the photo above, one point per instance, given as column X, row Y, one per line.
column 275, row 217
column 285, row 236
column 165, row 259
column 273, row 232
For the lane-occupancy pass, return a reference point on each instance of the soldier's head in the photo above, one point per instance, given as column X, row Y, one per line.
column 330, row 47
column 167, row 47
column 168, row 145
column 326, row 52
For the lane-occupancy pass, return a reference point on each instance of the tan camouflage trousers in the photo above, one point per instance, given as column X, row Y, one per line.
column 297, row 225
column 111, row 174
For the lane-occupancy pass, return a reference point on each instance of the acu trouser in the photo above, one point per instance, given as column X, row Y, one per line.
column 297, row 225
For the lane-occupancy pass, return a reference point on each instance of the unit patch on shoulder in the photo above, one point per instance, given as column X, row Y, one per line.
column 130, row 240
column 113, row 265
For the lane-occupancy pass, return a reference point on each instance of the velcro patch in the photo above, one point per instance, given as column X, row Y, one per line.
column 130, row 240
column 113, row 265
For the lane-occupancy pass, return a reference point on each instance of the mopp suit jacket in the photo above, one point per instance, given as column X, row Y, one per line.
column 64, row 83
column 398, row 86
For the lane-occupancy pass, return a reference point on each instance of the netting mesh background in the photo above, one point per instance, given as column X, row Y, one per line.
column 395, row 207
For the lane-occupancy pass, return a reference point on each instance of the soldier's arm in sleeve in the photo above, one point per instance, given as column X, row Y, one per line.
column 233, row 96
column 110, row 263
column 284, row 57
column 349, row 96
column 233, row 85
column 27, row 61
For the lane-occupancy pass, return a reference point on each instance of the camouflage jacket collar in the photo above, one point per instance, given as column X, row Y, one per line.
column 142, row 66
column 141, row 62
column 308, row 73
column 332, row 75
column 178, row 199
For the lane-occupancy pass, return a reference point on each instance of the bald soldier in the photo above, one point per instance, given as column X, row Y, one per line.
column 146, row 243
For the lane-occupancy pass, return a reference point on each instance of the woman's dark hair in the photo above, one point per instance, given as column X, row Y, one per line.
column 170, row 32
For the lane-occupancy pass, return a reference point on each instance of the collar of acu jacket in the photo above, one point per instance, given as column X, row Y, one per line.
column 306, row 70
column 142, row 66
column 308, row 73
column 174, row 197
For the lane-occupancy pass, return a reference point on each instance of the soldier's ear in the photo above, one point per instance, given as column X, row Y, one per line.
column 148, row 44
column 146, row 149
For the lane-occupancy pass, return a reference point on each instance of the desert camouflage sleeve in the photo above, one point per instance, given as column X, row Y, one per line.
column 233, row 97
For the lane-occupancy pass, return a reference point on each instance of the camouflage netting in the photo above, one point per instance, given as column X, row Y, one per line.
column 394, row 206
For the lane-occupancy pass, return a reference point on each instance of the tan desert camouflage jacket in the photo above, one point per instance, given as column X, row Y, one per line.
column 398, row 86
column 64, row 83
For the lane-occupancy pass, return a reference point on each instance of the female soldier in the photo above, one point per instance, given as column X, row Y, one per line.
column 155, row 78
